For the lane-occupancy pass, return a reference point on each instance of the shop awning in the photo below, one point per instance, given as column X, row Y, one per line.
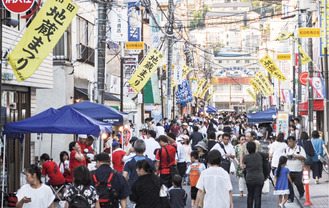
column 107, row 96
column 317, row 106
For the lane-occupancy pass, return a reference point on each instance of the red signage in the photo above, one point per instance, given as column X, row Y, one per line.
column 18, row 6
column 303, row 78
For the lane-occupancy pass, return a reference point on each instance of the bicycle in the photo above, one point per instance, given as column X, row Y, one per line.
column 325, row 164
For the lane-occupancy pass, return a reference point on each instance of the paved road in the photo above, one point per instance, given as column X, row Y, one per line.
column 268, row 200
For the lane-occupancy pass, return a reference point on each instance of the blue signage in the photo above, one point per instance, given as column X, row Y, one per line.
column 134, row 22
column 235, row 68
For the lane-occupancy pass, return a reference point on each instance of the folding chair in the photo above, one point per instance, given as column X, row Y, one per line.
column 57, row 191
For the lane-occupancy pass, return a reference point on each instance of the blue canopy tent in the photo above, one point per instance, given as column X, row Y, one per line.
column 65, row 121
column 210, row 109
column 100, row 112
column 266, row 116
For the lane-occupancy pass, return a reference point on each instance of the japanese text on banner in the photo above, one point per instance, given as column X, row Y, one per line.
column 209, row 96
column 261, row 81
column 185, row 71
column 254, row 85
column 41, row 37
column 146, row 69
column 251, row 93
column 205, row 90
column 200, row 85
column 271, row 67
column 303, row 56
column 284, row 35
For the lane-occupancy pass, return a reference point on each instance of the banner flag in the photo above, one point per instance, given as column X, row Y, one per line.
column 178, row 74
column 251, row 93
column 184, row 93
column 194, row 85
column 205, row 90
column 200, row 85
column 318, row 86
column 284, row 35
column 146, row 69
column 209, row 96
column 263, row 84
column 185, row 70
column 256, row 88
column 41, row 37
column 304, row 57
column 272, row 68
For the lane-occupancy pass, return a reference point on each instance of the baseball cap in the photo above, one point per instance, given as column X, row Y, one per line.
column 102, row 157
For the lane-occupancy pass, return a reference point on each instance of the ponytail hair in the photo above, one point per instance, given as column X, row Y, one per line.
column 147, row 167
column 283, row 160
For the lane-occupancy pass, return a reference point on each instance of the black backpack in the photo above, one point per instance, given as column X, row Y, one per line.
column 108, row 198
column 78, row 199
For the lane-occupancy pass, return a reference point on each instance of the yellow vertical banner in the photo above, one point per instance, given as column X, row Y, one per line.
column 145, row 70
column 303, row 56
column 256, row 88
column 263, row 84
column 284, row 35
column 41, row 37
column 251, row 93
column 200, row 85
column 272, row 68
column 205, row 90
column 209, row 96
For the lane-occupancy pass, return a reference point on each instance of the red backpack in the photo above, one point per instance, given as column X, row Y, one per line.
column 194, row 174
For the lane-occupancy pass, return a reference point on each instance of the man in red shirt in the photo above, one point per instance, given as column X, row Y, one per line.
column 117, row 156
column 51, row 169
column 165, row 158
column 82, row 141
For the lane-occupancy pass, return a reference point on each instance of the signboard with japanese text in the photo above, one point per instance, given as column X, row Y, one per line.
column 41, row 37
column 185, row 70
column 17, row 6
column 134, row 22
column 203, row 93
column 321, row 21
column 134, row 45
column 130, row 64
column 254, row 85
column 235, row 68
column 119, row 23
column 272, row 68
column 200, row 85
column 283, row 57
column 178, row 74
column 114, row 85
column 309, row 32
column 146, row 69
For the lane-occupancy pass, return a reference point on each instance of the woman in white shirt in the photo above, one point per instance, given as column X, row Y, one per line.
column 277, row 150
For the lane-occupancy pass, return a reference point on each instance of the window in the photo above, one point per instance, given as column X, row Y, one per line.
column 85, row 32
column 247, row 61
column 220, row 61
column 237, row 61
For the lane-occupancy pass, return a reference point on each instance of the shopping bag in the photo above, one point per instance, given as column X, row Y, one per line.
column 266, row 187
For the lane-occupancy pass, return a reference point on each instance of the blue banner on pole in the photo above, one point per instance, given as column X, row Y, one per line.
column 184, row 93
column 134, row 22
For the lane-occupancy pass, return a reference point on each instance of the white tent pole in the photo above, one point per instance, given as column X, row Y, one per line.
column 51, row 146
column 3, row 170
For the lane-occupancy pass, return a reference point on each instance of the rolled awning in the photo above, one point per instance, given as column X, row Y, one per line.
column 318, row 105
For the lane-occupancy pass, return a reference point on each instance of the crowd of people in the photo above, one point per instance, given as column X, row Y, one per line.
column 195, row 151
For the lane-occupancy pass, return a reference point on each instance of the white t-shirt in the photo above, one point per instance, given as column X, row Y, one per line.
column 229, row 149
column 160, row 131
column 180, row 153
column 216, row 182
column 151, row 145
column 277, row 150
column 295, row 165
column 298, row 131
column 41, row 197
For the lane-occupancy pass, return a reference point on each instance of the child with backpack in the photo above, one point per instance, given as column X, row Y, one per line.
column 194, row 171
column 281, row 180
column 177, row 195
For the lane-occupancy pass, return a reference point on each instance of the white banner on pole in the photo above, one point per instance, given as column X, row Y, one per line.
column 178, row 74
column 119, row 23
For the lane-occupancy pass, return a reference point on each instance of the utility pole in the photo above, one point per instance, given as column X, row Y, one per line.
column 299, row 92
column 326, row 101
column 170, row 32
column 101, row 46
column 121, row 75
column 294, row 79
column 310, row 74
